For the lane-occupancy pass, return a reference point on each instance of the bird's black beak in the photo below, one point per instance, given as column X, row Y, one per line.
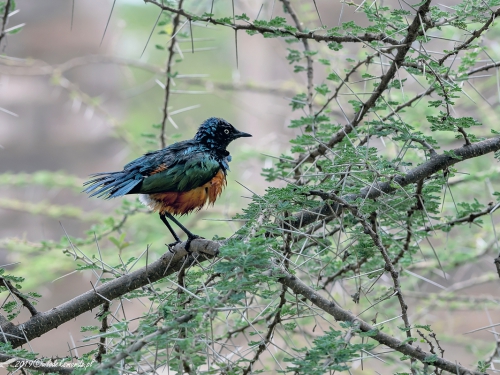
column 242, row 134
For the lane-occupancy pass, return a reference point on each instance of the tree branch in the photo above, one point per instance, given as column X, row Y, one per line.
column 377, row 241
column 104, row 328
column 170, row 263
column 342, row 315
column 163, row 267
column 25, row 67
column 411, row 36
column 368, row 37
column 29, row 67
column 140, row 343
column 270, row 331
column 424, row 170
column 475, row 34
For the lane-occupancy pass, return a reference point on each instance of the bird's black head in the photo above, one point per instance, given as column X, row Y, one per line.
column 217, row 133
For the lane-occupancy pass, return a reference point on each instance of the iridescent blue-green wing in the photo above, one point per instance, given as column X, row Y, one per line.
column 115, row 184
column 186, row 173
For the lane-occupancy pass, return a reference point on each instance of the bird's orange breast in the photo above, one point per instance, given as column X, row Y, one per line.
column 180, row 203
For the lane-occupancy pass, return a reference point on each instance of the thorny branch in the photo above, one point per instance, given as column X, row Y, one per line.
column 311, row 35
column 33, row 67
column 343, row 83
column 470, row 218
column 340, row 314
column 330, row 307
column 270, row 331
column 430, row 90
column 163, row 267
column 147, row 275
column 411, row 36
column 140, row 343
column 25, row 67
column 418, row 206
column 170, row 263
column 348, row 267
column 181, row 282
column 494, row 354
column 377, row 189
column 372, row 232
column 432, row 349
column 475, row 34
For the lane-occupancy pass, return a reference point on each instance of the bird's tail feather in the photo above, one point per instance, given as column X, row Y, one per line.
column 111, row 184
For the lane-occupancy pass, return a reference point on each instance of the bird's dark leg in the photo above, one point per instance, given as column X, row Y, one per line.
column 165, row 221
column 190, row 235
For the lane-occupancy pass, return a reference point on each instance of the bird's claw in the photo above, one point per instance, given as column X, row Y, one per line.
column 188, row 242
column 171, row 246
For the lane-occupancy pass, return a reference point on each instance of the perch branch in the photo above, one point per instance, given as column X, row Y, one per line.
column 163, row 267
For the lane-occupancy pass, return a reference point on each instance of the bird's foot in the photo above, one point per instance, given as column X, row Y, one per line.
column 172, row 245
column 188, row 242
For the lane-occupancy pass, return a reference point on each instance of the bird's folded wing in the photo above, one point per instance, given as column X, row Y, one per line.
column 187, row 173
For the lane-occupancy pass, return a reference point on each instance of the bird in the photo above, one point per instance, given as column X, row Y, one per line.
column 178, row 179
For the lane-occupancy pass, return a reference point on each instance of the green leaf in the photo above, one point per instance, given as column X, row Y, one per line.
column 298, row 101
column 293, row 56
column 322, row 89
column 333, row 77
column 243, row 17
column 335, row 46
column 277, row 22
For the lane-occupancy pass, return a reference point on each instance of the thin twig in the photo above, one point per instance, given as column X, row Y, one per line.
column 475, row 34
column 310, row 72
column 168, row 74
column 104, row 328
column 4, row 19
column 368, row 37
column 270, row 331
column 20, row 296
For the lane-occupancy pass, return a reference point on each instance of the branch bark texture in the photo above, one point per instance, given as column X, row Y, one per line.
column 163, row 267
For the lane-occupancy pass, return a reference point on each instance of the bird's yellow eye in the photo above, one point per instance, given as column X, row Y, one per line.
column 226, row 131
